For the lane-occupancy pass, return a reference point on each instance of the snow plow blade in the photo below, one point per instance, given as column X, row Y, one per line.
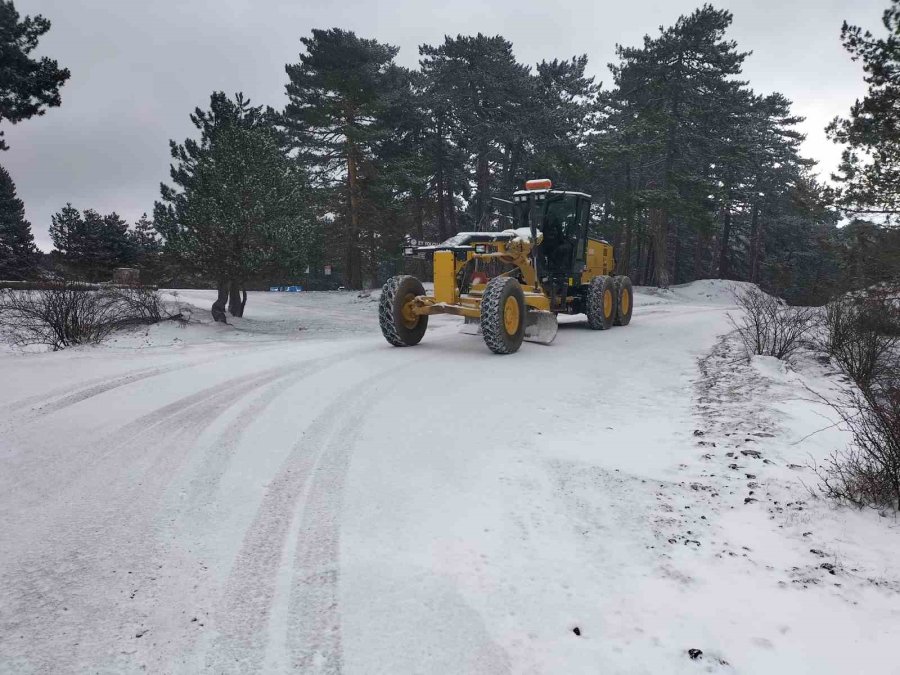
column 471, row 326
column 540, row 326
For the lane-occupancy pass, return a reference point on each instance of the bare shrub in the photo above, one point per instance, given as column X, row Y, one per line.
column 138, row 305
column 64, row 314
column 868, row 472
column 859, row 334
column 58, row 315
column 768, row 326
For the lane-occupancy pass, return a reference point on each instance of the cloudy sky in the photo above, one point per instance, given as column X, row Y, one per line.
column 139, row 68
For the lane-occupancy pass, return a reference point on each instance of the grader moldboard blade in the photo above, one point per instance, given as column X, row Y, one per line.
column 471, row 326
column 540, row 326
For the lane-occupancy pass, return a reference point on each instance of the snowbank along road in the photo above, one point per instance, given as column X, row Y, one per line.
column 258, row 498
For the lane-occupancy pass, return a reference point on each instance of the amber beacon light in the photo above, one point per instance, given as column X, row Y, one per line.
column 538, row 184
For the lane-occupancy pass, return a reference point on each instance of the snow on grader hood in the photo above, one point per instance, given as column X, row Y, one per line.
column 510, row 285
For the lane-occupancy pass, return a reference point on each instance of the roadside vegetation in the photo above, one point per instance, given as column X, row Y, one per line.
column 860, row 333
column 63, row 314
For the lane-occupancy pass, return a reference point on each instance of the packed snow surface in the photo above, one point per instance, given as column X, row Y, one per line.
column 291, row 493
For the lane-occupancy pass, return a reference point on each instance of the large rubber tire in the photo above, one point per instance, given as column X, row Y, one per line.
column 625, row 304
column 503, row 315
column 601, row 303
column 400, row 330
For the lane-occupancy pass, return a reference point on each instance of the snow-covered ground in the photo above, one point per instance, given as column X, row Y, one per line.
column 292, row 493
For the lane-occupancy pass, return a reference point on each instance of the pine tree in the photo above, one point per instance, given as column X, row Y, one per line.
column 337, row 94
column 27, row 85
column 18, row 255
column 674, row 84
column 693, row 173
column 91, row 245
column 869, row 173
column 775, row 169
column 485, row 100
column 237, row 208
column 147, row 248
column 565, row 105
column 66, row 228
column 145, row 237
column 444, row 159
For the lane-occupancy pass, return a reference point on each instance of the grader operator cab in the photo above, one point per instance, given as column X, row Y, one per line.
column 510, row 285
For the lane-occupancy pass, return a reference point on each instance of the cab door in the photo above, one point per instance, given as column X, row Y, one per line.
column 583, row 217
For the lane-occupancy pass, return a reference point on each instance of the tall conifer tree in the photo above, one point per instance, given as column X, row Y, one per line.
column 18, row 255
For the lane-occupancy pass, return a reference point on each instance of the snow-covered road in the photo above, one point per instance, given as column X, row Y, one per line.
column 255, row 498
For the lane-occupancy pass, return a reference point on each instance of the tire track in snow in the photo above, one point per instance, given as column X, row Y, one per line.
column 206, row 481
column 143, row 530
column 314, row 628
column 59, row 399
column 74, row 463
column 63, row 391
column 312, row 478
column 63, row 397
column 69, row 564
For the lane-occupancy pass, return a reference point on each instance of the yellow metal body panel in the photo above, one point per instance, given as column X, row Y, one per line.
column 537, row 300
column 446, row 299
column 598, row 260
column 444, row 277
column 469, row 304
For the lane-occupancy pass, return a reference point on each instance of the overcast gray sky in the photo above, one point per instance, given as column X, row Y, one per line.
column 139, row 68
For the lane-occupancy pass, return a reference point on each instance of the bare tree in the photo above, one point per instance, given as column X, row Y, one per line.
column 768, row 326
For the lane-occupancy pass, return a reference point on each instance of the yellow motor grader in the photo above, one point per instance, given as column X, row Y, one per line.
column 510, row 285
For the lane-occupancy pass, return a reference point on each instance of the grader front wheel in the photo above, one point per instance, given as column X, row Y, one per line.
column 399, row 325
column 503, row 315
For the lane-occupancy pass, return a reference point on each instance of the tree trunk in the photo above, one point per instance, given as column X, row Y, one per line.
column 218, row 308
column 724, row 270
column 514, row 160
column 454, row 220
column 373, row 257
column 676, row 256
column 659, row 230
column 640, row 268
column 699, row 245
column 624, row 261
column 755, row 241
column 482, row 180
column 441, row 187
column 237, row 299
column 353, row 274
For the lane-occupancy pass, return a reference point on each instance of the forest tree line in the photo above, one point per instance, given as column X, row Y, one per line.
column 693, row 173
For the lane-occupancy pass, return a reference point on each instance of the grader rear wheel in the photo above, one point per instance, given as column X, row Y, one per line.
column 399, row 325
column 503, row 315
column 626, row 300
column 602, row 296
